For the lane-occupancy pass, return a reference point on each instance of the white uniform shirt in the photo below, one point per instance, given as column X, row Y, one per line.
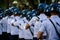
column 32, row 21
column 21, row 30
column 9, row 24
column 4, row 24
column 14, row 29
column 0, row 27
column 27, row 33
column 36, row 28
column 19, row 23
column 49, row 28
column 42, row 17
column 37, row 23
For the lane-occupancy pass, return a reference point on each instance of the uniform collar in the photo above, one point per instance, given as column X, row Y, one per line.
column 0, row 19
column 42, row 14
column 17, row 17
column 6, row 17
column 12, row 15
column 42, row 17
column 54, row 16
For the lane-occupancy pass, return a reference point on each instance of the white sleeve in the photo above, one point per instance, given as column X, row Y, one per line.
column 16, row 23
column 32, row 21
column 42, row 28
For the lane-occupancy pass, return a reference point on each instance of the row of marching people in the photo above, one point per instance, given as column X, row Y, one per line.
column 15, row 27
column 47, row 23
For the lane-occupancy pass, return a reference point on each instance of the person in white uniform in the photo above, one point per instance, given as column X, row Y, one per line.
column 19, row 24
column 27, row 33
column 9, row 19
column 49, row 27
column 40, row 17
column 4, row 28
column 0, row 27
column 41, row 8
column 6, row 25
column 14, row 29
column 38, row 24
column 21, row 29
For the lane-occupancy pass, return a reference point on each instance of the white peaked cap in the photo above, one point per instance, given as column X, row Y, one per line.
column 59, row 2
column 14, row 2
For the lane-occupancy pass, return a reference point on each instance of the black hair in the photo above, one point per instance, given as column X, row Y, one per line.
column 48, row 14
column 9, row 14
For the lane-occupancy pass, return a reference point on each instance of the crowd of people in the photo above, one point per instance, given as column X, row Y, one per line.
column 42, row 23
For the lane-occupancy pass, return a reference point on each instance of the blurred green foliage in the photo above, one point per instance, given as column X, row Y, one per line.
column 3, row 3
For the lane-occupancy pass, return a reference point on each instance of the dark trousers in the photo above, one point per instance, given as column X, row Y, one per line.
column 5, row 36
column 35, row 38
column 28, row 39
column 1, row 37
column 14, row 37
column 21, row 39
column 8, row 34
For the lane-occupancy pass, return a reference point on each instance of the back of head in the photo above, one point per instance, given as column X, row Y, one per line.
column 2, row 12
column 53, row 8
column 41, row 8
column 8, row 12
column 58, row 8
column 16, row 12
column 0, row 16
column 15, row 2
column 47, row 11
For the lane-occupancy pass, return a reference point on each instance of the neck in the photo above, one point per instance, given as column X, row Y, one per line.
column 52, row 15
column 48, row 17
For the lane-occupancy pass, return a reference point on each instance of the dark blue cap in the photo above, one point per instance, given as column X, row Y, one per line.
column 16, row 11
column 8, row 11
column 1, row 10
column 0, row 14
column 41, row 6
column 47, row 8
column 53, row 7
column 58, row 8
